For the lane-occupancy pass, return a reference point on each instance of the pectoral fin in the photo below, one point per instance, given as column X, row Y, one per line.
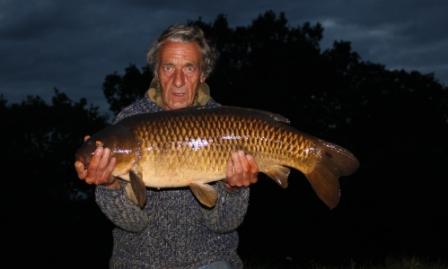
column 279, row 174
column 206, row 194
column 136, row 190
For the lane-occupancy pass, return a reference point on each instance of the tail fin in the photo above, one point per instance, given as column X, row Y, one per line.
column 333, row 163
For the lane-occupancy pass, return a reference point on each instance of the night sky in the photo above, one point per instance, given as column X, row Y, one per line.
column 73, row 45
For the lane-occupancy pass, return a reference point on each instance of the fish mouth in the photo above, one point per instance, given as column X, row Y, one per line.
column 84, row 154
column 80, row 158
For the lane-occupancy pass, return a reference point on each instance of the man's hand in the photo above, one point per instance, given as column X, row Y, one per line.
column 99, row 169
column 241, row 171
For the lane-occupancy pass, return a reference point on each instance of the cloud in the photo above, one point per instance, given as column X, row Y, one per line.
column 74, row 45
column 407, row 35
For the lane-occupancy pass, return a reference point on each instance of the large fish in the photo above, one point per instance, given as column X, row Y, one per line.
column 191, row 147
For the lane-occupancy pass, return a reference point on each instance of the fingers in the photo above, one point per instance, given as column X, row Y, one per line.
column 241, row 170
column 92, row 168
column 108, row 171
column 104, row 171
column 253, row 169
column 80, row 169
column 244, row 163
column 238, row 165
column 104, row 159
column 236, row 171
column 99, row 171
column 229, row 170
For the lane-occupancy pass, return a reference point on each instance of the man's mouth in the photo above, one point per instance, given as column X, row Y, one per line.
column 179, row 94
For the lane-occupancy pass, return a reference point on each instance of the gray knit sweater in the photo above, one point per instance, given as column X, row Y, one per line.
column 173, row 230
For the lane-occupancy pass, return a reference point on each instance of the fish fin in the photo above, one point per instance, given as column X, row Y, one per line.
column 334, row 162
column 273, row 116
column 130, row 193
column 206, row 194
column 279, row 174
column 136, row 190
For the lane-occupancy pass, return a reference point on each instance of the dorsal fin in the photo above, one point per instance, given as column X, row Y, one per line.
column 236, row 109
column 274, row 116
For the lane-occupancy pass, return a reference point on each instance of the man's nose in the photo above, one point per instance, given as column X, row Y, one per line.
column 179, row 79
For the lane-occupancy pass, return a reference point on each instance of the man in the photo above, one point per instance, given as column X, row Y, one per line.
column 173, row 230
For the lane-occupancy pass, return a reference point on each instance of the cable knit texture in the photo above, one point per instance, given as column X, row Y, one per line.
column 173, row 230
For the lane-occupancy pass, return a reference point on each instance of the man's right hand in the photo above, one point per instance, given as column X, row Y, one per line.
column 99, row 170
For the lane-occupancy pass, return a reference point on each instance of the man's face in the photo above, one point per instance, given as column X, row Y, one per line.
column 179, row 73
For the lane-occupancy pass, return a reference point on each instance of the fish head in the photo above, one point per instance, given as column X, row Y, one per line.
column 85, row 152
column 119, row 140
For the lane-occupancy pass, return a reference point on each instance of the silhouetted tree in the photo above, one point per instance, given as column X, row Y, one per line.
column 120, row 91
column 46, row 205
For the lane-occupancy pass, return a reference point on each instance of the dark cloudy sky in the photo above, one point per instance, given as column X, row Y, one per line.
column 73, row 45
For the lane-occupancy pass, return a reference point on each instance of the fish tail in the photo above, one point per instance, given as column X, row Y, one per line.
column 333, row 162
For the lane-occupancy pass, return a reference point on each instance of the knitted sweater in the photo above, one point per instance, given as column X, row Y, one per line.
column 173, row 230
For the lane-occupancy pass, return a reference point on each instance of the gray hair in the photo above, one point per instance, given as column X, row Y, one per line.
column 184, row 33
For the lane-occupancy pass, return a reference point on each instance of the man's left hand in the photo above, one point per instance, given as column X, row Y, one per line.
column 241, row 171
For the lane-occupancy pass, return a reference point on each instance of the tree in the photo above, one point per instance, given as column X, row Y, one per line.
column 43, row 200
column 120, row 91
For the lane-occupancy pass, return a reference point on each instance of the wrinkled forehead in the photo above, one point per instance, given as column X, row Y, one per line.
column 180, row 51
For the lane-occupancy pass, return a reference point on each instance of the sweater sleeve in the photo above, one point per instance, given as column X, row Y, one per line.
column 229, row 210
column 120, row 210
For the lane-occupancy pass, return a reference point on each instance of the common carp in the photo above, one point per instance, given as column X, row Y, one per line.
column 191, row 147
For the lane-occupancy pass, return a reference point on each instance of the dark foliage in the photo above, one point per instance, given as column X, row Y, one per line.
column 120, row 91
column 50, row 217
column 396, row 122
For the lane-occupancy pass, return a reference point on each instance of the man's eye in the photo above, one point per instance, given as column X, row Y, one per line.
column 167, row 68
column 190, row 68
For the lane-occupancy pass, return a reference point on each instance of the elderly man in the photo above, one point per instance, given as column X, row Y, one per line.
column 173, row 230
